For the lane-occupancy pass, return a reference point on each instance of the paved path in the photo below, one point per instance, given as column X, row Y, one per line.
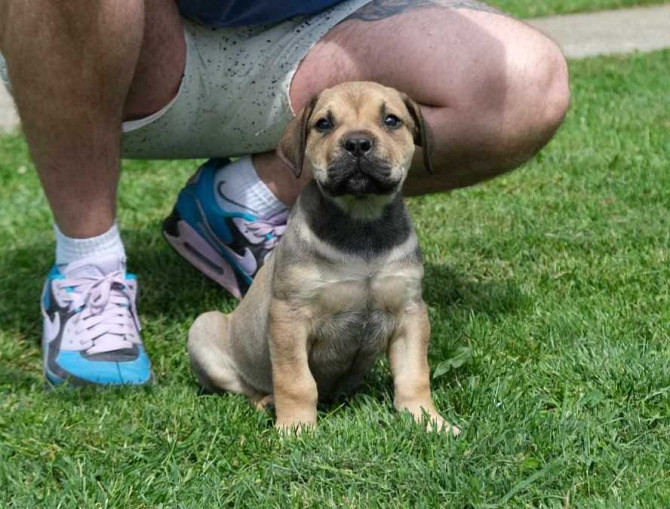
column 608, row 32
column 580, row 35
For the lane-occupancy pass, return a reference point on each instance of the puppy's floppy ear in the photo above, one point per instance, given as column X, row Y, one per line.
column 291, row 147
column 423, row 136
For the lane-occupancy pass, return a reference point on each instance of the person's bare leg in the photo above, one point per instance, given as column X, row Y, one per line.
column 71, row 65
column 280, row 180
column 493, row 89
column 161, row 63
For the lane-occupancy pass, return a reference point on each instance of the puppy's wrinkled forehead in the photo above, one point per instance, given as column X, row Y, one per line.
column 360, row 105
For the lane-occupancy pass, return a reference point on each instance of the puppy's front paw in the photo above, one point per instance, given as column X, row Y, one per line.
column 291, row 426
column 435, row 422
column 432, row 420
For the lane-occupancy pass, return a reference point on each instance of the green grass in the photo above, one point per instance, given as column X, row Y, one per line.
column 556, row 277
column 534, row 8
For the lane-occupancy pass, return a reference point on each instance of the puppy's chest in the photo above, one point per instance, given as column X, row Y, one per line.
column 356, row 305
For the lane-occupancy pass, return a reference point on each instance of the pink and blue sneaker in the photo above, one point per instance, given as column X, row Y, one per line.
column 91, row 330
column 227, row 246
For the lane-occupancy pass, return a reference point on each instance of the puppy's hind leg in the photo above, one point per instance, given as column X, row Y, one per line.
column 209, row 350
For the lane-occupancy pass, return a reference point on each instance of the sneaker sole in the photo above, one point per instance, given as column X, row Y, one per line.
column 191, row 246
column 52, row 382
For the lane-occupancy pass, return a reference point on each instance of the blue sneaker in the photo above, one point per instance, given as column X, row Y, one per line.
column 91, row 330
column 228, row 247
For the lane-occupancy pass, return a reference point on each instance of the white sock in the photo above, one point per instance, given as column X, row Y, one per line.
column 237, row 188
column 70, row 250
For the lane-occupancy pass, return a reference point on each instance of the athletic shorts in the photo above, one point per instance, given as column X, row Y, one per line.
column 234, row 96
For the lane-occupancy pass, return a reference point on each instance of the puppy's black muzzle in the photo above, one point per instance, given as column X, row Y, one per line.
column 359, row 175
column 358, row 146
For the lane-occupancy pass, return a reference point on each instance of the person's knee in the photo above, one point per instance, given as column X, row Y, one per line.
column 547, row 74
column 520, row 100
column 539, row 89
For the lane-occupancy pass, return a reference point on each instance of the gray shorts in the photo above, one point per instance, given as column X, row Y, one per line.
column 234, row 96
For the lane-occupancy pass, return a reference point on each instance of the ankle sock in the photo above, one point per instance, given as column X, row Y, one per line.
column 237, row 188
column 70, row 250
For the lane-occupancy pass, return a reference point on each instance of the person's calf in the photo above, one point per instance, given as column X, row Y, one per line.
column 161, row 61
column 69, row 84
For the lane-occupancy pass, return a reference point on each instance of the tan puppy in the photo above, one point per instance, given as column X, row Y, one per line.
column 344, row 283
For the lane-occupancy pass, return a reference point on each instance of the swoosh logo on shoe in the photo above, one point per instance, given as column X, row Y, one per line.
column 246, row 262
column 52, row 327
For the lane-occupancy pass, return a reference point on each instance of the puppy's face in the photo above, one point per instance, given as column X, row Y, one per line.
column 358, row 138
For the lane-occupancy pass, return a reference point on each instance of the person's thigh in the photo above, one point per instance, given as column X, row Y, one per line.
column 233, row 98
column 492, row 88
column 161, row 61
column 429, row 49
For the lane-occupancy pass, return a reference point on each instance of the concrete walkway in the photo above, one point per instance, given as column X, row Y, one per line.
column 609, row 32
column 580, row 35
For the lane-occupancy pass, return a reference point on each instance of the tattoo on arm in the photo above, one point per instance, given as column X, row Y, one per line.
column 379, row 9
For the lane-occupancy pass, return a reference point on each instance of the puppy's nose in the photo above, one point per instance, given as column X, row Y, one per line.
column 358, row 146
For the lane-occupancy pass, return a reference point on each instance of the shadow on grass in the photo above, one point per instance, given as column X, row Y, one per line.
column 172, row 294
column 17, row 377
column 448, row 290
column 451, row 293
column 170, row 289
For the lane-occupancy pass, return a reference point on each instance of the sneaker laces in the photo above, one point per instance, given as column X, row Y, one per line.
column 104, row 306
column 270, row 230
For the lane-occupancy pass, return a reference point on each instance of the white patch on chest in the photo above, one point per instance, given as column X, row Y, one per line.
column 366, row 208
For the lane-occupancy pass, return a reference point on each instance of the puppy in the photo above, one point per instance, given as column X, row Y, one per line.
column 344, row 283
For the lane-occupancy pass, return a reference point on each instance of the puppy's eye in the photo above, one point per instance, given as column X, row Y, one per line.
column 324, row 124
column 392, row 121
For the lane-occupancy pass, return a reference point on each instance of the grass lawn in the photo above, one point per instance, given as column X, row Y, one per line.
column 550, row 283
column 533, row 8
